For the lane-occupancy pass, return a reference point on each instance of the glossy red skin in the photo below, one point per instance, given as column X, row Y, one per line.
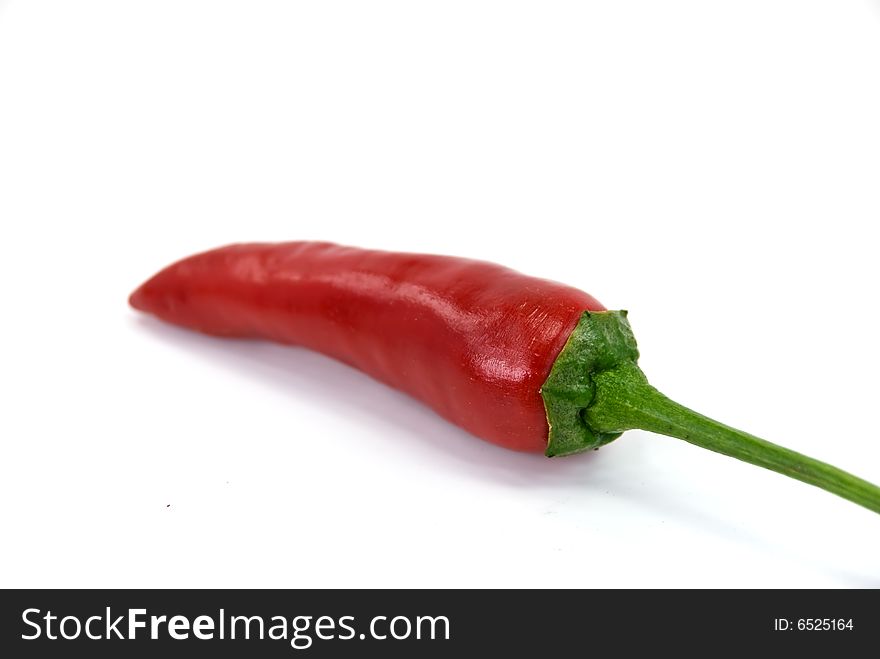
column 473, row 340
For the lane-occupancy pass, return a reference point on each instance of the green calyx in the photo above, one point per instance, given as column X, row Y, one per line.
column 601, row 341
column 596, row 391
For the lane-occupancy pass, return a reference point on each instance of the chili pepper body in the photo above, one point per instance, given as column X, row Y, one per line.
column 525, row 363
column 473, row 340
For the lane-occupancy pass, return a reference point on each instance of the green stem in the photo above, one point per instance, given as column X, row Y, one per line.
column 596, row 391
column 624, row 401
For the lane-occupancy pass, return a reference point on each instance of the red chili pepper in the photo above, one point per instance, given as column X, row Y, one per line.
column 526, row 363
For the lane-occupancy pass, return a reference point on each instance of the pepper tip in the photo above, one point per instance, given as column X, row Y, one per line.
column 137, row 299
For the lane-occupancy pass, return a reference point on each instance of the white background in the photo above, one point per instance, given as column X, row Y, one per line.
column 712, row 167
